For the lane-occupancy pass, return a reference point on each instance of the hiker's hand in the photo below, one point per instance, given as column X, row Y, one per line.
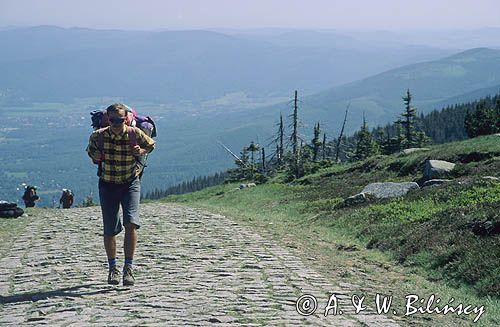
column 138, row 151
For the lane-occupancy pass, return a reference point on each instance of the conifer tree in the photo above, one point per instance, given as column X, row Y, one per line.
column 253, row 148
column 323, row 146
column 365, row 146
column 242, row 171
column 484, row 119
column 316, row 143
column 408, row 121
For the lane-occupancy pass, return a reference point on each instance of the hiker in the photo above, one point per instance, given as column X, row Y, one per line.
column 66, row 199
column 116, row 149
column 30, row 196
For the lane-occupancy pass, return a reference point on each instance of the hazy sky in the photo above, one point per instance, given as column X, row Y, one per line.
column 187, row 14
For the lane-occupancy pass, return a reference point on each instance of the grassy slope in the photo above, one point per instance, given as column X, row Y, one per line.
column 425, row 248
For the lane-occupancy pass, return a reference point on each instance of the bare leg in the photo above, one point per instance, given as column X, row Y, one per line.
column 110, row 246
column 130, row 240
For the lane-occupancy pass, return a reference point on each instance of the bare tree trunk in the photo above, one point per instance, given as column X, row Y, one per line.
column 263, row 161
column 281, row 136
column 295, row 126
column 341, row 134
column 324, row 146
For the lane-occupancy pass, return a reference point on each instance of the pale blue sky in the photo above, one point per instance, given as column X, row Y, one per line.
column 189, row 14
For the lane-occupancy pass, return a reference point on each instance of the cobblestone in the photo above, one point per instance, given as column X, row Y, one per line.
column 193, row 268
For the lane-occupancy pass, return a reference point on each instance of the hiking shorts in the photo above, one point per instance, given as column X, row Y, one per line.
column 111, row 196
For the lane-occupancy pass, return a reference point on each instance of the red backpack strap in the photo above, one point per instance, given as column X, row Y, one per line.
column 100, row 141
column 132, row 136
column 100, row 147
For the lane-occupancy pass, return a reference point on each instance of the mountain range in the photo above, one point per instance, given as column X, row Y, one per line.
column 202, row 87
column 462, row 77
column 48, row 63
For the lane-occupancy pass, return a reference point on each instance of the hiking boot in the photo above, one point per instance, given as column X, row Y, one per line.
column 114, row 276
column 128, row 275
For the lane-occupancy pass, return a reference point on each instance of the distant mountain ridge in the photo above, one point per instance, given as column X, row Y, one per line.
column 461, row 77
column 49, row 63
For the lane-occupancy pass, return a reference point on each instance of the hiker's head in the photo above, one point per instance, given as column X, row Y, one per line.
column 117, row 114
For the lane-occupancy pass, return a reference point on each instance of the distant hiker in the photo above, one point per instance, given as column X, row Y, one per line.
column 30, row 196
column 116, row 149
column 66, row 199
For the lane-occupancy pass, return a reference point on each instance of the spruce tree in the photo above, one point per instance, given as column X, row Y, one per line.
column 316, row 142
column 408, row 121
column 365, row 146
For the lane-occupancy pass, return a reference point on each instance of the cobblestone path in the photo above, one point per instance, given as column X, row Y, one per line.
column 193, row 268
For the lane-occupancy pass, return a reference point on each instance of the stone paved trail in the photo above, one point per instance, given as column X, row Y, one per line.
column 194, row 268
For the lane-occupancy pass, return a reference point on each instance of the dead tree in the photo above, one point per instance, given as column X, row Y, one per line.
column 279, row 140
column 294, row 138
column 341, row 133
column 263, row 161
column 323, row 146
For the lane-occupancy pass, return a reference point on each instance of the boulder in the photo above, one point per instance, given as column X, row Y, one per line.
column 434, row 182
column 435, row 169
column 389, row 189
column 353, row 200
column 242, row 186
column 412, row 150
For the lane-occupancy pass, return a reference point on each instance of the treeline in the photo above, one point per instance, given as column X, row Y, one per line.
column 452, row 123
column 196, row 184
column 484, row 117
column 288, row 151
column 298, row 157
column 458, row 122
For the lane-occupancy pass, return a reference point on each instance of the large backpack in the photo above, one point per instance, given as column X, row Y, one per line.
column 30, row 196
column 146, row 124
column 30, row 193
column 67, row 197
column 10, row 210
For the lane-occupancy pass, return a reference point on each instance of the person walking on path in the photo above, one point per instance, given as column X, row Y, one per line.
column 116, row 148
column 30, row 196
column 66, row 199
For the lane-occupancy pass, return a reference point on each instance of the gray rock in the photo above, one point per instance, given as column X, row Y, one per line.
column 389, row 189
column 435, row 169
column 353, row 200
column 242, row 186
column 491, row 178
column 432, row 182
column 412, row 150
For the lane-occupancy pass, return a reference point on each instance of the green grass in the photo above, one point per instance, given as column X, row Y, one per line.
column 416, row 244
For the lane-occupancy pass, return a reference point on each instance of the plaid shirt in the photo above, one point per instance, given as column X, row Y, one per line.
column 119, row 165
